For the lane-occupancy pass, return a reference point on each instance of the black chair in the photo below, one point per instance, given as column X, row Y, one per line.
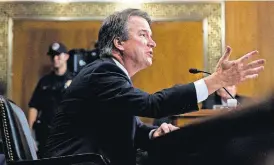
column 18, row 144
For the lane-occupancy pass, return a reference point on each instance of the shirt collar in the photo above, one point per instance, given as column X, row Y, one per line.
column 121, row 67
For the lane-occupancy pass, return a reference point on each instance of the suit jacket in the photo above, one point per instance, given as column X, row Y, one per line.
column 215, row 99
column 98, row 113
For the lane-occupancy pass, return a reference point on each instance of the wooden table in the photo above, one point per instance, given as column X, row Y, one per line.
column 180, row 120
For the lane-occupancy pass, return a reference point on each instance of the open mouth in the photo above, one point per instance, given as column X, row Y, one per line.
column 150, row 54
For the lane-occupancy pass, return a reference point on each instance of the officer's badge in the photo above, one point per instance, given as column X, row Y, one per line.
column 82, row 63
column 55, row 46
column 67, row 83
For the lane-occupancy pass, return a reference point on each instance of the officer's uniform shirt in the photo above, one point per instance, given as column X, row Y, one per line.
column 48, row 94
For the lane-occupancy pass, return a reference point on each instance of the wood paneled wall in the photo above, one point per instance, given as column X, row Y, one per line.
column 250, row 26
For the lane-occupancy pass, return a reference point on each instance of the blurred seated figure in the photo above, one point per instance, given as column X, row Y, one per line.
column 241, row 137
column 220, row 97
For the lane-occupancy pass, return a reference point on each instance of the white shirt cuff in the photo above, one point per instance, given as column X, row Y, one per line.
column 201, row 90
column 151, row 133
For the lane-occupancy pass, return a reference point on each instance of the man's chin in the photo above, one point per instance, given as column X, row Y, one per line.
column 149, row 61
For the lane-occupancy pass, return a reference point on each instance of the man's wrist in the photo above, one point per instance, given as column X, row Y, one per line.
column 151, row 134
column 213, row 82
column 201, row 90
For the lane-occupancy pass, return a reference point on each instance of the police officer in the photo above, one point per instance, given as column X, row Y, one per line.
column 48, row 93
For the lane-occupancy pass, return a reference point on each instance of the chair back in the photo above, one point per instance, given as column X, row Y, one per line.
column 18, row 143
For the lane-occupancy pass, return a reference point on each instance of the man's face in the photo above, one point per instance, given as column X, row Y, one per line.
column 138, row 48
column 231, row 89
column 60, row 60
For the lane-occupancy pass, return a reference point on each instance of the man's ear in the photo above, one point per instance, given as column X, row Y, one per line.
column 118, row 43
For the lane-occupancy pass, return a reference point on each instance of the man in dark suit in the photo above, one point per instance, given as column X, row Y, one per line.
column 98, row 113
column 220, row 97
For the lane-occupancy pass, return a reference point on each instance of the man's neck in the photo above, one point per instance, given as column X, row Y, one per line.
column 60, row 71
column 131, row 69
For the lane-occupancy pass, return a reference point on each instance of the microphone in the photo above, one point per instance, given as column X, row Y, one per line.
column 195, row 71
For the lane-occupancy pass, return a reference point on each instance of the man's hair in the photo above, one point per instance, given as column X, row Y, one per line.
column 115, row 27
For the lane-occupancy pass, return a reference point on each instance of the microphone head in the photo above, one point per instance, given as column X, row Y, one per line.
column 193, row 71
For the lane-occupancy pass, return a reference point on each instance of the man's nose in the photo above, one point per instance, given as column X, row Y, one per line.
column 152, row 43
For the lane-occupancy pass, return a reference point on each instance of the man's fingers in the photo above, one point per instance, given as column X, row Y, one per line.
column 254, row 64
column 249, row 77
column 165, row 128
column 226, row 54
column 253, row 71
column 172, row 127
column 247, row 56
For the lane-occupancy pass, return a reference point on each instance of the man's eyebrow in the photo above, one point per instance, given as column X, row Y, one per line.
column 146, row 31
